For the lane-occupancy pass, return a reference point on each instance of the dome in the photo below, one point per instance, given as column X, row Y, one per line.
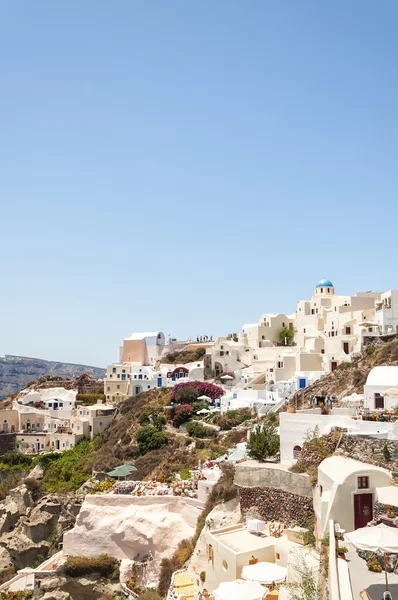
column 324, row 283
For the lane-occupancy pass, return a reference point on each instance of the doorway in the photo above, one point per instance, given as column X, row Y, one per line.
column 346, row 348
column 363, row 510
column 334, row 365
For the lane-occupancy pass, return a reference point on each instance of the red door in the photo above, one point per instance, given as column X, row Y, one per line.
column 363, row 510
column 346, row 348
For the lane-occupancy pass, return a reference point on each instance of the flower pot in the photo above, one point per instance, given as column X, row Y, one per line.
column 341, row 556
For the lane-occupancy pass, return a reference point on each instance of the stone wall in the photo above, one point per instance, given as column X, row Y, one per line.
column 277, row 505
column 7, row 442
column 274, row 476
column 371, row 450
column 380, row 509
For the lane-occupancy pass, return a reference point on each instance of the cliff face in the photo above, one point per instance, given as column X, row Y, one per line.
column 17, row 371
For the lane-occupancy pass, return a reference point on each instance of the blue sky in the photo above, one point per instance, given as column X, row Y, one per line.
column 188, row 166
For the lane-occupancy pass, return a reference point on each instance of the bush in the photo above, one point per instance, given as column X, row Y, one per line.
column 78, row 566
column 16, row 459
column 263, row 442
column 89, row 399
column 102, row 486
column 166, row 572
column 181, row 414
column 198, row 430
column 150, row 438
column 189, row 391
column 232, row 418
column 70, row 470
column 150, row 595
column 386, row 453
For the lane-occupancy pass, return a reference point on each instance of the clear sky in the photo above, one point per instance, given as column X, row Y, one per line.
column 188, row 166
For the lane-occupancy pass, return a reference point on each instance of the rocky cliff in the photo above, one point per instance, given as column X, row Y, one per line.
column 17, row 371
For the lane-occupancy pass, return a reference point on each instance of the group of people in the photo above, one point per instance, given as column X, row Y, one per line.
column 204, row 338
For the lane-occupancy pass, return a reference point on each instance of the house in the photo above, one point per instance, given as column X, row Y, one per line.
column 144, row 348
column 346, row 492
column 294, row 428
column 379, row 381
column 117, row 382
column 229, row 549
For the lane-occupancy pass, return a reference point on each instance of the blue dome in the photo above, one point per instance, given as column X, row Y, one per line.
column 324, row 283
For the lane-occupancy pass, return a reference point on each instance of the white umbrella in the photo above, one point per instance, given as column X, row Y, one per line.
column 264, row 572
column 244, row 590
column 204, row 397
column 380, row 538
column 204, row 411
column 226, row 377
column 215, row 410
column 375, row 539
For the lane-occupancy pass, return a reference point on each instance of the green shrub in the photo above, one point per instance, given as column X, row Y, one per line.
column 150, row 438
column 185, row 474
column 78, row 566
column 14, row 461
column 89, row 399
column 181, row 414
column 102, row 486
column 198, row 430
column 386, row 453
column 70, row 470
column 263, row 442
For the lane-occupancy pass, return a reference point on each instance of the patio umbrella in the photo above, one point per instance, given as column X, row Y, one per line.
column 204, row 411
column 264, row 572
column 206, row 398
column 244, row 590
column 122, row 471
column 380, row 538
column 226, row 377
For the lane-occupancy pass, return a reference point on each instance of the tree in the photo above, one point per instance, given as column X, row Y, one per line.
column 286, row 336
column 263, row 441
column 198, row 430
column 150, row 438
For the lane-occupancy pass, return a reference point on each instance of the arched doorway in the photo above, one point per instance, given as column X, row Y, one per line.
column 218, row 368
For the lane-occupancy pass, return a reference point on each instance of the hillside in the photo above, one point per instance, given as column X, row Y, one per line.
column 17, row 371
column 350, row 377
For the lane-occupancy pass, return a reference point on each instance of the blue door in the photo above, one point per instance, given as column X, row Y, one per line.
column 302, row 383
column 137, row 390
column 159, row 382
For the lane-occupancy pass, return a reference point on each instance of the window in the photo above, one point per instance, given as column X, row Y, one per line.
column 283, row 324
column 263, row 337
column 277, row 556
column 379, row 401
column 323, row 351
column 118, row 387
column 296, row 452
column 363, row 483
column 114, row 370
column 225, row 565
column 108, row 389
column 210, row 553
column 321, row 290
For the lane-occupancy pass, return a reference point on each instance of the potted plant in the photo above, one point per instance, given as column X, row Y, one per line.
column 374, row 565
column 341, row 550
column 390, row 511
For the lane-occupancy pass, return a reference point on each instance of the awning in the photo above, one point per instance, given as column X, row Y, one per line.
column 122, row 471
column 391, row 392
column 387, row 495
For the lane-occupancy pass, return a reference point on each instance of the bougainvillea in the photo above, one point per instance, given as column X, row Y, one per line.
column 181, row 414
column 187, row 391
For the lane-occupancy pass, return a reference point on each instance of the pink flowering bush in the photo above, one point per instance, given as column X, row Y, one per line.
column 189, row 391
column 181, row 414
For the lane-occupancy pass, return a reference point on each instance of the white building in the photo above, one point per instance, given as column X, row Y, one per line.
column 346, row 492
column 379, row 381
column 294, row 428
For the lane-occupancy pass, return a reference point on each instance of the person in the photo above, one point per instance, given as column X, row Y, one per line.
column 200, row 338
column 197, row 338
column 211, row 338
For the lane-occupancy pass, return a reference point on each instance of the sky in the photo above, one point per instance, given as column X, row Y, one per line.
column 187, row 166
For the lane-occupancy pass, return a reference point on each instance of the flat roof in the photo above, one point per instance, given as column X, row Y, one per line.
column 241, row 540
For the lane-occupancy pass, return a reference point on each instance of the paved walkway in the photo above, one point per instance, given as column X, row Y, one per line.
column 363, row 579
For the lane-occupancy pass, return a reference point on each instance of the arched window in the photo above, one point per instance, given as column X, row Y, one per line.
column 296, row 452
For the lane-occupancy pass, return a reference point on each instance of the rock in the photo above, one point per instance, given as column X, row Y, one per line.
column 36, row 473
column 23, row 551
column 7, row 569
column 22, row 498
column 9, row 518
column 40, row 525
column 57, row 595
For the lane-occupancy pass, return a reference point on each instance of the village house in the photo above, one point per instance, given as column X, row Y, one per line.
column 379, row 381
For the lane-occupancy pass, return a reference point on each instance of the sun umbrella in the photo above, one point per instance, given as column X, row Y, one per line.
column 204, row 411
column 380, row 538
column 204, row 397
column 226, row 377
column 264, row 572
column 391, row 392
column 122, row 471
column 244, row 590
